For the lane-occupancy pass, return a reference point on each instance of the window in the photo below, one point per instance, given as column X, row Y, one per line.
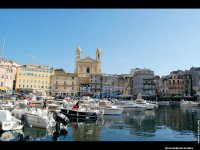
column 88, row 70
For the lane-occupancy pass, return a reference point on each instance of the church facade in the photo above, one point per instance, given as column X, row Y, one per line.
column 87, row 70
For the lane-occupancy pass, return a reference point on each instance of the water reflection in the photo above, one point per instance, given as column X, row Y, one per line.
column 87, row 130
column 163, row 124
column 141, row 123
column 182, row 119
column 10, row 135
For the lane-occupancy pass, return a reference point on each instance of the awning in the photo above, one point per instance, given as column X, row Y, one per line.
column 4, row 88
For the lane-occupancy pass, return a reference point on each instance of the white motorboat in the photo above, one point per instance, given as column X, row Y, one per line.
column 110, row 109
column 129, row 104
column 7, row 106
column 188, row 103
column 8, row 122
column 35, row 117
column 36, row 103
column 141, row 102
column 23, row 103
column 163, row 103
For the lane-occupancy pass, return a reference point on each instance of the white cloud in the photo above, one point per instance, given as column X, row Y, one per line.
column 32, row 56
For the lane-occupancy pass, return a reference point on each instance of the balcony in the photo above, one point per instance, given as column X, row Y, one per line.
column 64, row 85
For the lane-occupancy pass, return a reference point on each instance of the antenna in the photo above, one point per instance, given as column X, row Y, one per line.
column 3, row 46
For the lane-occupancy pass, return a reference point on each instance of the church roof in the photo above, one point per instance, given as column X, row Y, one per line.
column 87, row 59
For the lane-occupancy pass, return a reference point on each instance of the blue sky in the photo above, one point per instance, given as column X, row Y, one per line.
column 163, row 40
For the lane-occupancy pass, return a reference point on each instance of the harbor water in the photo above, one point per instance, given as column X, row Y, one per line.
column 165, row 123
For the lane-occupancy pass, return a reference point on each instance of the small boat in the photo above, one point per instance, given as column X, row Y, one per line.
column 110, row 109
column 142, row 102
column 70, row 113
column 188, row 103
column 8, row 122
column 23, row 103
column 166, row 103
column 36, row 103
column 7, row 106
column 129, row 104
column 35, row 117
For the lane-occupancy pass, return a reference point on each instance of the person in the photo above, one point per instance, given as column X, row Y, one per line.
column 45, row 103
column 76, row 106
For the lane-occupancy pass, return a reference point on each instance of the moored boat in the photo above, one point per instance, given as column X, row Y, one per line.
column 35, row 117
column 110, row 109
column 8, row 122
column 188, row 103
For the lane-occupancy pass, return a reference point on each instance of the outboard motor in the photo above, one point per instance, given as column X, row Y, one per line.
column 24, row 120
column 60, row 118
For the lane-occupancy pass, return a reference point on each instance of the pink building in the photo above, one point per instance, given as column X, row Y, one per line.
column 7, row 74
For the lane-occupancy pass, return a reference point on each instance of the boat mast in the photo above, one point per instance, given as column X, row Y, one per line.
column 3, row 46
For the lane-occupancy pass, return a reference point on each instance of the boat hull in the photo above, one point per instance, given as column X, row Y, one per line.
column 113, row 111
column 79, row 114
column 34, row 120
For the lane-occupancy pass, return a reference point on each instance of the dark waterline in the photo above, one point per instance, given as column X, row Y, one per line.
column 165, row 123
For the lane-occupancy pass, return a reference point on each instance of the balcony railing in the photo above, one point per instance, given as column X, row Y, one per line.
column 63, row 84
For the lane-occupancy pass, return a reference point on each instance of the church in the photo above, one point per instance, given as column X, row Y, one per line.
column 88, row 72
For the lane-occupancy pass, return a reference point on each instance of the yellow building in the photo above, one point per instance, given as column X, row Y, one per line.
column 33, row 77
column 85, row 68
column 63, row 83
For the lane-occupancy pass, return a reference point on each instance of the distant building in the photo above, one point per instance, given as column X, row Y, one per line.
column 143, row 82
column 112, row 85
column 175, row 82
column 195, row 72
column 187, row 85
column 34, row 77
column 127, row 84
column 85, row 68
column 8, row 70
column 164, row 90
column 63, row 83
column 95, row 85
column 157, row 81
